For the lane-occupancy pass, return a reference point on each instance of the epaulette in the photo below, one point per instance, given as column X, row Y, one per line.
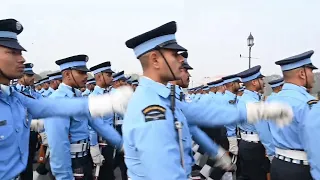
column 312, row 102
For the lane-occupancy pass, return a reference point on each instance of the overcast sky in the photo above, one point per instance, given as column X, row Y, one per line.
column 215, row 32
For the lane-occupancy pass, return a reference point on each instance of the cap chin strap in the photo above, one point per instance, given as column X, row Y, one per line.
column 260, row 89
column 74, row 79
column 165, row 60
column 305, row 72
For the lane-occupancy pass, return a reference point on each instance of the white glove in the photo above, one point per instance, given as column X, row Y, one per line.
column 223, row 160
column 115, row 102
column 97, row 158
column 34, row 125
column 280, row 113
column 270, row 158
column 44, row 138
column 233, row 145
column 40, row 125
column 122, row 149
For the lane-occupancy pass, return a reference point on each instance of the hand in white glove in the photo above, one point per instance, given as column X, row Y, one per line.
column 40, row 125
column 122, row 149
column 97, row 158
column 34, row 125
column 280, row 113
column 223, row 160
column 233, row 145
column 44, row 138
column 115, row 102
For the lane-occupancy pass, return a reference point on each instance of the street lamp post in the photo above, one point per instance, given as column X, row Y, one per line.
column 250, row 44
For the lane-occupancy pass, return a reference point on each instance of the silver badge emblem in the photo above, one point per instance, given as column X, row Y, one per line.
column 18, row 26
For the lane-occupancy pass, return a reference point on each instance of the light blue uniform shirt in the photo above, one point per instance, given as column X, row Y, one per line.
column 200, row 137
column 150, row 137
column 87, row 92
column 272, row 95
column 41, row 91
column 17, row 111
column 104, row 121
column 203, row 98
column 48, row 92
column 261, row 128
column 213, row 98
column 59, row 128
column 197, row 97
column 230, row 99
column 28, row 90
column 311, row 134
column 291, row 136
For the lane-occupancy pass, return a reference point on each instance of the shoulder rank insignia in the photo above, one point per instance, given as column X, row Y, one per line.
column 312, row 102
column 154, row 112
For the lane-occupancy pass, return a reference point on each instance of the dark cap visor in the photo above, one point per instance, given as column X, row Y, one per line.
column 81, row 68
column 311, row 66
column 187, row 66
column 29, row 72
column 107, row 71
column 12, row 44
column 174, row 46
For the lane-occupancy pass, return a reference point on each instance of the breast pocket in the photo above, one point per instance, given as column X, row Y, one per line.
column 7, row 140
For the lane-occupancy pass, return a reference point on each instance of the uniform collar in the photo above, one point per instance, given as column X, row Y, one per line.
column 159, row 88
column 178, row 89
column 50, row 89
column 98, row 89
column 219, row 93
column 253, row 94
column 20, row 87
column 301, row 89
column 229, row 93
column 5, row 89
column 68, row 90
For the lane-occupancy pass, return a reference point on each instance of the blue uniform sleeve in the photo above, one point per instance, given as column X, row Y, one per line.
column 93, row 136
column 107, row 132
column 311, row 134
column 57, row 129
column 47, row 107
column 231, row 130
column 159, row 150
column 301, row 116
column 211, row 115
column 37, row 95
column 204, row 141
column 265, row 137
